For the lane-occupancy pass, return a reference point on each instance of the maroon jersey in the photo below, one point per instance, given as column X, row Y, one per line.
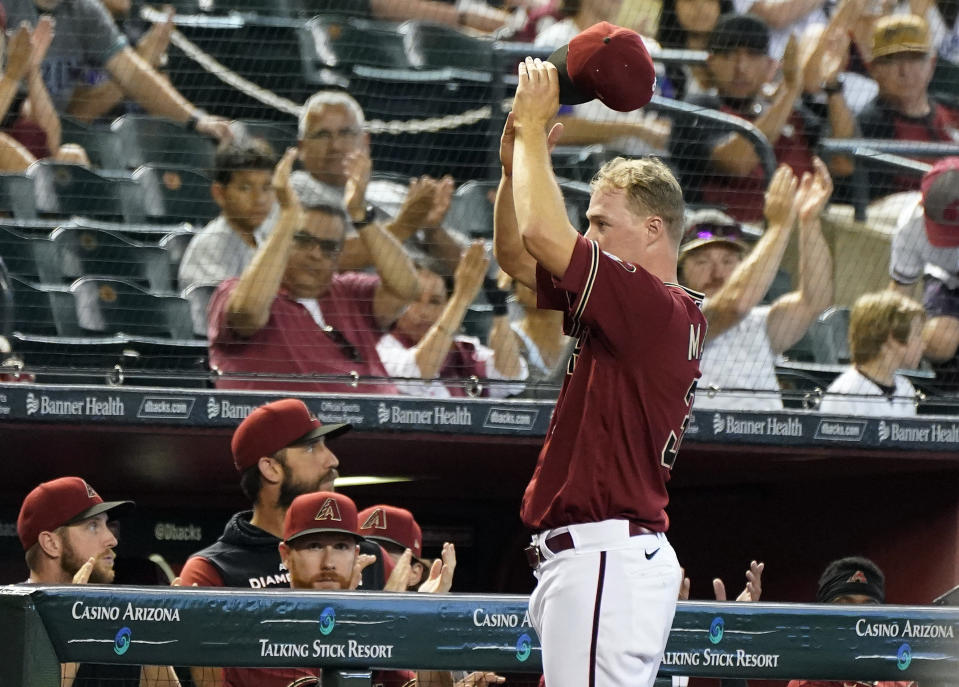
column 626, row 399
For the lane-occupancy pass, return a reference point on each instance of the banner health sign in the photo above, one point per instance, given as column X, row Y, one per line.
column 360, row 630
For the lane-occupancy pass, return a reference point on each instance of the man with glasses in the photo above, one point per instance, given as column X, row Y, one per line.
column 333, row 144
column 292, row 315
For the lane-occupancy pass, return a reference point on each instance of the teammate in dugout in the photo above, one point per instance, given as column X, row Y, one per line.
column 608, row 578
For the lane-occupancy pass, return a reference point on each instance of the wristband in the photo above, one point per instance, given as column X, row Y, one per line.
column 368, row 218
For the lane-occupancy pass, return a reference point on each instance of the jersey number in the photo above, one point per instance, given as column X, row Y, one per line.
column 674, row 440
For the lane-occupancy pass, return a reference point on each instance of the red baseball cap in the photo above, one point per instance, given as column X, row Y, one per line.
column 392, row 525
column 277, row 425
column 60, row 502
column 320, row 511
column 940, row 200
column 607, row 62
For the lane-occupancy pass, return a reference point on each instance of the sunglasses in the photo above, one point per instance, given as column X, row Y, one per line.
column 306, row 241
column 712, row 230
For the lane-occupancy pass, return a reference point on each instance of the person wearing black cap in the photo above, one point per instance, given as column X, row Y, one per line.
column 723, row 169
column 63, row 527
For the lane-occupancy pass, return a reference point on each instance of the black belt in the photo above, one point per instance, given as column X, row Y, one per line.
column 564, row 542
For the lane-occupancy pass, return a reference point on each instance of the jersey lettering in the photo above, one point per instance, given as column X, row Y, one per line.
column 671, row 449
column 695, row 351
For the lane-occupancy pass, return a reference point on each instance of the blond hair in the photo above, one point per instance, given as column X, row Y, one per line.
column 876, row 316
column 651, row 189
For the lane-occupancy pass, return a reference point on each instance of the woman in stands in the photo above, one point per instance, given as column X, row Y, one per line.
column 686, row 25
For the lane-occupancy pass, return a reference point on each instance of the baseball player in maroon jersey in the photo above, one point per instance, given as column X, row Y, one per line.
column 608, row 578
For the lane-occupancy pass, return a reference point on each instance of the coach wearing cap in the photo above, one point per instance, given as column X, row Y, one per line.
column 63, row 529
column 903, row 62
column 926, row 245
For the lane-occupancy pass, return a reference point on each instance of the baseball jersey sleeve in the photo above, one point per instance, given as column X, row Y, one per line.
column 200, row 572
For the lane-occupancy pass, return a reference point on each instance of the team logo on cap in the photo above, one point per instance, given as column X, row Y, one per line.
column 329, row 511
column 90, row 492
column 376, row 521
column 858, row 576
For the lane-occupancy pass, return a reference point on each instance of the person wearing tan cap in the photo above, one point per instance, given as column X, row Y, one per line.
column 903, row 62
column 926, row 246
column 63, row 527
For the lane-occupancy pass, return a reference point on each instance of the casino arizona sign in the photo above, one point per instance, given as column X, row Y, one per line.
column 80, row 611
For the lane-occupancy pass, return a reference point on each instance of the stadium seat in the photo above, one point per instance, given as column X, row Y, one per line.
column 29, row 257
column 89, row 251
column 145, row 140
column 17, row 196
column 576, row 195
column 62, row 190
column 830, row 336
column 173, row 194
column 6, row 301
column 279, row 136
column 435, row 46
column 43, row 309
column 69, row 359
column 338, row 43
column 471, row 210
column 179, row 363
column 175, row 243
column 198, row 296
column 115, row 306
column 580, row 163
column 102, row 145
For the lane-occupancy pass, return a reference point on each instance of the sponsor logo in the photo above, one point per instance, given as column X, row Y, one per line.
column 649, row 556
column 121, row 642
column 169, row 408
column 167, row 531
column 89, row 406
column 841, row 430
column 327, row 620
column 524, row 647
column 772, row 426
column 718, row 423
column 350, row 649
column 80, row 611
column 909, row 629
column 483, row 619
column 340, row 411
column 903, row 657
column 716, row 630
column 458, row 415
column 934, row 433
column 717, row 658
column 226, row 409
column 507, row 418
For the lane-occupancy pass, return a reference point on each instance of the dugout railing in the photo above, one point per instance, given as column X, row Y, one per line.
column 46, row 625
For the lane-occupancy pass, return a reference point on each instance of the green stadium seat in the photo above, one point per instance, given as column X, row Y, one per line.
column 279, row 136
column 178, row 363
column 87, row 251
column 175, row 243
column 436, row 46
column 43, row 309
column 29, row 257
column 339, row 43
column 63, row 190
column 146, row 140
column 103, row 147
column 830, row 336
column 174, row 194
column 69, row 359
column 17, row 196
column 114, row 306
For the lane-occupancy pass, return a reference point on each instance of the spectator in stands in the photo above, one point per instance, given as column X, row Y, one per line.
column 722, row 168
column 885, row 335
column 63, row 527
column 425, row 343
column 291, row 313
column 242, row 187
column 332, row 141
column 784, row 17
column 926, row 245
column 87, row 36
column 632, row 133
column 903, row 61
column 280, row 451
column 99, row 97
column 470, row 14
column 686, row 25
column 744, row 337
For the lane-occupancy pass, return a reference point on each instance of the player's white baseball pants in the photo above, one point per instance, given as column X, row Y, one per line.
column 603, row 609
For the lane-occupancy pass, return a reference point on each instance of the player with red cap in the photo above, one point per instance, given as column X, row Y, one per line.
column 607, row 576
column 926, row 245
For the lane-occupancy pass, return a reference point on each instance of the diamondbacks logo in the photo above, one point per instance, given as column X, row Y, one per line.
column 376, row 521
column 329, row 511
column 33, row 405
column 90, row 492
column 212, row 408
column 858, row 576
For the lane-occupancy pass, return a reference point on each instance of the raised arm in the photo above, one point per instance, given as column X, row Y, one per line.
column 780, row 14
column 540, row 212
column 248, row 309
column 752, row 278
column 42, row 110
column 19, row 51
column 508, row 248
column 791, row 314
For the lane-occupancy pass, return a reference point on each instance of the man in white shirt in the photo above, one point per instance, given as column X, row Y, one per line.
column 885, row 335
column 926, row 245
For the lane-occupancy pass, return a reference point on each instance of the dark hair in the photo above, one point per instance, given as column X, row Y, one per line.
column 569, row 8
column 835, row 582
column 241, row 155
column 250, row 482
column 671, row 34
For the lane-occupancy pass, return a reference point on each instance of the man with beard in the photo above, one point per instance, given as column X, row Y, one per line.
column 63, row 528
column 280, row 451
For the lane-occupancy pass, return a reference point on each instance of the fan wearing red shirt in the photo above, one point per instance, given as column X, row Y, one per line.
column 608, row 578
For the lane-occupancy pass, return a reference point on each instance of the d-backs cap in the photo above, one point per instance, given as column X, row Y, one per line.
column 60, row 502
column 940, row 201
column 606, row 62
column 320, row 511
column 393, row 525
column 277, row 425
